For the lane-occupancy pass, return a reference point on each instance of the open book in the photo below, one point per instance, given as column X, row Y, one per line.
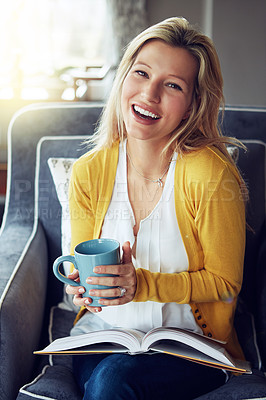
column 177, row 342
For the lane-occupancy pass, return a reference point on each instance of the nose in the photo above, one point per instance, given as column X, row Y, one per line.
column 151, row 91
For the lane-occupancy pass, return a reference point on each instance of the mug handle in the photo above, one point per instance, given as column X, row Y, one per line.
column 59, row 275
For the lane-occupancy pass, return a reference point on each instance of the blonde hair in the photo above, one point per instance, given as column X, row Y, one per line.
column 201, row 128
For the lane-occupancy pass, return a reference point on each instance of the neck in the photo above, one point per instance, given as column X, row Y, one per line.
column 147, row 159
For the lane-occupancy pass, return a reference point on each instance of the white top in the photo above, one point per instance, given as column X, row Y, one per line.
column 159, row 248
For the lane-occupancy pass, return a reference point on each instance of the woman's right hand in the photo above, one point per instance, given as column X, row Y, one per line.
column 78, row 291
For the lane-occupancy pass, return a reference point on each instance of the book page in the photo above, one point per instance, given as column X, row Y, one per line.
column 128, row 338
column 187, row 352
column 90, row 349
column 139, row 335
column 199, row 342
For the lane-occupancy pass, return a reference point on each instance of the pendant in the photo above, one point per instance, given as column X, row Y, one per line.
column 160, row 182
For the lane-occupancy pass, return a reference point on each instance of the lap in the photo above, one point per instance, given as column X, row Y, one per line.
column 144, row 376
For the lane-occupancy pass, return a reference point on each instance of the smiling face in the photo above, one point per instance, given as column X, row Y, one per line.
column 157, row 92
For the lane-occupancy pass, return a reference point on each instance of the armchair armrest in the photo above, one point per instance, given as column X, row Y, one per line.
column 261, row 298
column 23, row 271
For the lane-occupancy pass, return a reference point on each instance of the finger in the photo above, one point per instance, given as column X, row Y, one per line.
column 76, row 290
column 115, row 292
column 119, row 269
column 117, row 301
column 74, row 274
column 86, row 301
column 80, row 301
column 90, row 308
column 127, row 253
column 94, row 309
column 110, row 281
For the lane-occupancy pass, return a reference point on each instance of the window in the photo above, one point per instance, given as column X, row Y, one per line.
column 41, row 39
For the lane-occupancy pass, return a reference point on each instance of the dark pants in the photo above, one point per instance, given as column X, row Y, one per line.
column 143, row 376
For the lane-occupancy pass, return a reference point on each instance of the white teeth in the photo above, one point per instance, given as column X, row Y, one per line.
column 145, row 112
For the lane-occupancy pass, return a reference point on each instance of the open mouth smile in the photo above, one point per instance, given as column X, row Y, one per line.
column 145, row 114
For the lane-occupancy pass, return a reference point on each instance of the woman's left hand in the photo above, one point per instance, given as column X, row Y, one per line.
column 125, row 279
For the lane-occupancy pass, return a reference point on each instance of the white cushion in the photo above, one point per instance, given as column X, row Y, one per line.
column 234, row 153
column 60, row 169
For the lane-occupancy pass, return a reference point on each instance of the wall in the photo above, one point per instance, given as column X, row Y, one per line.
column 190, row 9
column 240, row 36
column 238, row 29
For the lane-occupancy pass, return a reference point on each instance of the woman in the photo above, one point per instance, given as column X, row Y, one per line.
column 162, row 183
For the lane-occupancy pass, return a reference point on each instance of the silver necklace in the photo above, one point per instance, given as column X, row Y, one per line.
column 158, row 181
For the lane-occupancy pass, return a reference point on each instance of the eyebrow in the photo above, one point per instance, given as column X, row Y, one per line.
column 179, row 77
column 142, row 63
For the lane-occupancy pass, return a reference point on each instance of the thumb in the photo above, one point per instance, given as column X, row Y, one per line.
column 127, row 253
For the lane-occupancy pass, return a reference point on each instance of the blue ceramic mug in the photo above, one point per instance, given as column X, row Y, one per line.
column 88, row 255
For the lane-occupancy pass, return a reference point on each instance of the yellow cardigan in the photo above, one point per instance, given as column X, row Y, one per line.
column 211, row 216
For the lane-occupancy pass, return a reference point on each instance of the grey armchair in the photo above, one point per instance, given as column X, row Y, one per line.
column 31, row 309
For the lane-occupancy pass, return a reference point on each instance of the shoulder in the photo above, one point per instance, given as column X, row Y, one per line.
column 207, row 174
column 205, row 164
column 95, row 162
column 203, row 158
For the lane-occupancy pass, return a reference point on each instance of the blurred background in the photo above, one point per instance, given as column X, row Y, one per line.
column 68, row 50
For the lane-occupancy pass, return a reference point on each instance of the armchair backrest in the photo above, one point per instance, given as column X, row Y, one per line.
column 252, row 164
column 26, row 129
column 245, row 122
column 40, row 124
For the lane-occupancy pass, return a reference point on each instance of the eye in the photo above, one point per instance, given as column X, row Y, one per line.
column 142, row 73
column 175, row 86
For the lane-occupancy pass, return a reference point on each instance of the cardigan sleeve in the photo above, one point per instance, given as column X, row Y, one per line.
column 80, row 205
column 212, row 223
column 90, row 191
